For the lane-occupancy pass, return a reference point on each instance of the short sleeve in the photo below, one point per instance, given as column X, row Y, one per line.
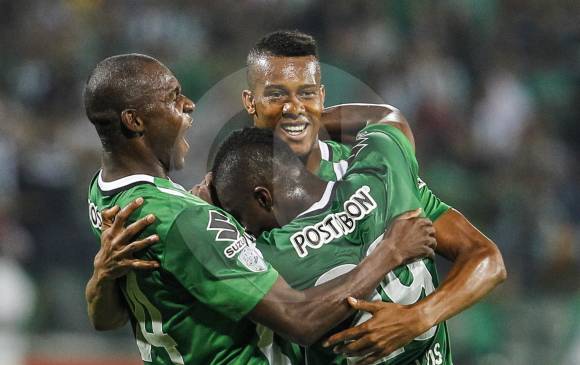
column 380, row 148
column 211, row 256
column 382, row 151
column 432, row 205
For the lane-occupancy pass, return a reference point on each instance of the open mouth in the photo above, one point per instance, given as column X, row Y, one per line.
column 294, row 130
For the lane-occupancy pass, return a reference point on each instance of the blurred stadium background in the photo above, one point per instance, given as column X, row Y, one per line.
column 492, row 89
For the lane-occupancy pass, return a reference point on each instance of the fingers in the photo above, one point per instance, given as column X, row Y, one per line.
column 126, row 212
column 109, row 214
column 208, row 179
column 353, row 333
column 364, row 305
column 361, row 347
column 137, row 264
column 135, row 228
column 410, row 214
column 139, row 245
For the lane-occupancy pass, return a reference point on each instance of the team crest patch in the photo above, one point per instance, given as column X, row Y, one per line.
column 252, row 258
column 244, row 241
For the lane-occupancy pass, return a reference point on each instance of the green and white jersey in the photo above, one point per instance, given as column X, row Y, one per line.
column 337, row 232
column 333, row 160
column 191, row 310
column 334, row 163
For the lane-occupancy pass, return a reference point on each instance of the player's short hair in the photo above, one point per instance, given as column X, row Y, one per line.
column 117, row 83
column 248, row 158
column 281, row 43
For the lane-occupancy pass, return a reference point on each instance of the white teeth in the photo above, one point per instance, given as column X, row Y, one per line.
column 294, row 129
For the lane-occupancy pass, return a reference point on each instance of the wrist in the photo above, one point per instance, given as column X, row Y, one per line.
column 102, row 277
column 425, row 315
column 392, row 254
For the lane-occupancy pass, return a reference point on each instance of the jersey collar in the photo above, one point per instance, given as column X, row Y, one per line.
column 325, row 151
column 123, row 182
column 323, row 202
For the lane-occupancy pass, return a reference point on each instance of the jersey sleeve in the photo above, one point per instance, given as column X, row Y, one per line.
column 432, row 205
column 384, row 152
column 379, row 148
column 217, row 262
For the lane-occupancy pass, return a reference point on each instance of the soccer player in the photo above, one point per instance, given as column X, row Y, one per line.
column 261, row 182
column 286, row 95
column 212, row 282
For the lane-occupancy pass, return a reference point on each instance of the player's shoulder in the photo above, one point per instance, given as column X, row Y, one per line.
column 388, row 135
column 333, row 151
column 161, row 196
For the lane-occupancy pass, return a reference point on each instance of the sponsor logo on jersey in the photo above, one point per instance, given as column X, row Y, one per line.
column 244, row 241
column 252, row 258
column 361, row 139
column 333, row 226
column 95, row 216
column 226, row 231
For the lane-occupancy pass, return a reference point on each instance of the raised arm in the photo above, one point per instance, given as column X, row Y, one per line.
column 344, row 121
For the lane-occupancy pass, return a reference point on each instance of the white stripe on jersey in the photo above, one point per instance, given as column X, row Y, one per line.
column 119, row 183
column 340, row 168
column 324, row 150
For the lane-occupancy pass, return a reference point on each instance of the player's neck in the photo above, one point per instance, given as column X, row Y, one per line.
column 118, row 164
column 307, row 191
column 312, row 160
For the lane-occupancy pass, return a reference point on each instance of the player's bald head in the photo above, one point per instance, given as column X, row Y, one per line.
column 118, row 83
column 282, row 43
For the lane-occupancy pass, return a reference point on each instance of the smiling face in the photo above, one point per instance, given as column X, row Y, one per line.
column 166, row 116
column 288, row 98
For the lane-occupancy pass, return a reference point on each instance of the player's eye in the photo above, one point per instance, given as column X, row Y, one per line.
column 308, row 93
column 275, row 94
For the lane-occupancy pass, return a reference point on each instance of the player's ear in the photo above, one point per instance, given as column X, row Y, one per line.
column 249, row 102
column 263, row 197
column 322, row 94
column 131, row 124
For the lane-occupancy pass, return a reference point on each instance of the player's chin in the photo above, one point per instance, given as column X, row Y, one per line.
column 178, row 162
column 302, row 147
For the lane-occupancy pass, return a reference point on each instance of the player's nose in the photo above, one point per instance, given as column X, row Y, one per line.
column 188, row 105
column 293, row 107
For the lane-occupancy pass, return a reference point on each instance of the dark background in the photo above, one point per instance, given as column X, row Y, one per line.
column 491, row 89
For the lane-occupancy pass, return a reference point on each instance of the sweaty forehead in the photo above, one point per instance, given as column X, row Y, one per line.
column 278, row 70
column 160, row 78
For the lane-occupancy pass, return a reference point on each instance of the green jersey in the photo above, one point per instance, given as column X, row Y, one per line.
column 191, row 310
column 334, row 163
column 337, row 232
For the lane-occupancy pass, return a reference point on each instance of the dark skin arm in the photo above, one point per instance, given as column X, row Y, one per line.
column 305, row 316
column 478, row 266
column 343, row 122
column 105, row 305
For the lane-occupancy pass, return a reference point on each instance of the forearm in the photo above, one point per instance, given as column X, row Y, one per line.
column 344, row 121
column 478, row 268
column 304, row 317
column 105, row 307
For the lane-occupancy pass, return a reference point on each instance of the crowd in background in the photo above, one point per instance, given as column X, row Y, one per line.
column 491, row 88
